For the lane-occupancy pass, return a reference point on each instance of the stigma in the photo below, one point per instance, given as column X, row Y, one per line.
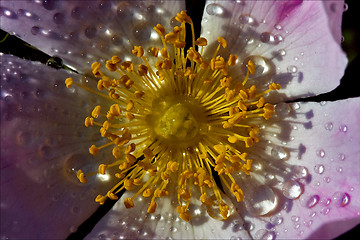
column 176, row 120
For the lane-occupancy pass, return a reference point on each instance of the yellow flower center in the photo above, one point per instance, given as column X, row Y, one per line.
column 176, row 123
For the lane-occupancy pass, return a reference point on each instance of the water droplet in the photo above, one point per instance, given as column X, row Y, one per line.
column 346, row 7
column 246, row 19
column 320, row 153
column 58, row 18
column 282, row 52
column 262, row 201
column 341, row 157
column 339, row 169
column 325, row 211
column 280, row 153
column 35, row 30
column 327, row 179
column 341, row 199
column 263, row 66
column 49, row 4
column 263, row 234
column 22, row 12
column 214, row 9
column 319, row 169
column 312, row 201
column 276, row 220
column 292, row 189
column 277, row 26
column 213, row 208
column 73, row 229
column 295, row 218
column 278, row 38
column 266, row 37
column 173, row 229
column 296, row 106
column 322, row 103
column 76, row 13
column 292, row 69
column 343, row 128
column 142, row 32
column 90, row 32
column 329, row 126
column 300, row 172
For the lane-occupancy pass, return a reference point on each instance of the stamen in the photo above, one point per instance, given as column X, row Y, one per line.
column 176, row 121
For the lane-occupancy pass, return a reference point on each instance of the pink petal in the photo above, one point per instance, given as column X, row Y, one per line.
column 81, row 32
column 42, row 140
column 322, row 144
column 136, row 223
column 293, row 43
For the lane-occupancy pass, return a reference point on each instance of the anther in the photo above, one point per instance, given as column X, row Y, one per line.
column 69, row 82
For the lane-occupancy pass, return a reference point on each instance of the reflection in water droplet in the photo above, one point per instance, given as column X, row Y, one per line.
column 282, row 52
column 300, row 172
column 325, row 211
column 280, row 153
column 329, row 126
column 319, row 169
column 296, row 106
column 292, row 69
column 341, row 157
column 320, row 153
column 312, row 201
column 292, row 189
column 142, row 32
column 262, row 201
column 343, row 128
column 295, row 218
column 214, row 9
column 213, row 209
column 276, row 220
column 35, row 30
column 341, row 199
column 246, row 19
column 277, row 26
column 264, row 234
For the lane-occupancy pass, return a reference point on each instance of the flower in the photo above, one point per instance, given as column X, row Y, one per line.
column 301, row 177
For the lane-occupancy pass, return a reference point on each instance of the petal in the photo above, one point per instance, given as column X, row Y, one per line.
column 81, row 32
column 310, row 163
column 43, row 144
column 293, row 43
column 136, row 223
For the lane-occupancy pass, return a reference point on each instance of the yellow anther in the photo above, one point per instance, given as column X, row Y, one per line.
column 129, row 184
column 119, row 175
column 224, row 211
column 142, row 69
column 148, row 192
column 179, row 44
column 115, row 110
column 274, row 86
column 205, row 200
column 261, row 102
column 154, row 51
column 124, row 79
column 69, row 82
column 252, row 91
column 102, row 168
column 80, row 175
column 243, row 95
column 103, row 131
column 152, row 207
column 130, row 105
column 106, row 125
column 138, row 181
column 129, row 83
column 95, row 113
column 185, row 216
column 220, row 158
column 171, row 37
column 232, row 60
column 251, row 67
column 222, row 42
column 128, row 66
column 220, row 148
column 89, row 121
column 111, row 66
column 139, row 94
column 249, row 142
column 130, row 148
column 183, row 17
column 159, row 29
column 130, row 158
column 229, row 95
column 164, row 53
column 173, row 166
column 177, row 29
column 232, row 139
column 253, row 135
column 129, row 116
column 185, row 194
column 116, row 152
column 201, row 41
column 165, row 175
column 112, row 196
column 138, row 51
column 95, row 67
column 242, row 106
column 236, row 118
column 226, row 82
column 100, row 199
column 128, row 202
column 93, row 150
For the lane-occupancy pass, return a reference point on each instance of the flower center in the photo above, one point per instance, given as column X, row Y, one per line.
column 176, row 120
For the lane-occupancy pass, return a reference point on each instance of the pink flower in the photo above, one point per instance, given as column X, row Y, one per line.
column 304, row 179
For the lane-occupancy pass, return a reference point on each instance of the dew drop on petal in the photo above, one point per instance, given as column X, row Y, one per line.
column 58, row 18
column 282, row 109
column 341, row 199
column 277, row 26
column 341, row 157
column 346, row 7
column 343, row 128
column 329, row 126
column 49, row 4
column 276, row 220
column 141, row 32
column 214, row 9
column 262, row 201
column 292, row 69
column 246, row 19
column 280, row 153
column 90, row 32
column 262, row 66
column 35, row 30
column 319, row 169
column 311, row 201
column 213, row 209
column 320, row 153
column 325, row 211
column 300, row 172
column 292, row 189
column 282, row 52
column 295, row 218
column 264, row 234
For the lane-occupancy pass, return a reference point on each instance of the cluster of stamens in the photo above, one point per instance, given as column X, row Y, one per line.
column 176, row 122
